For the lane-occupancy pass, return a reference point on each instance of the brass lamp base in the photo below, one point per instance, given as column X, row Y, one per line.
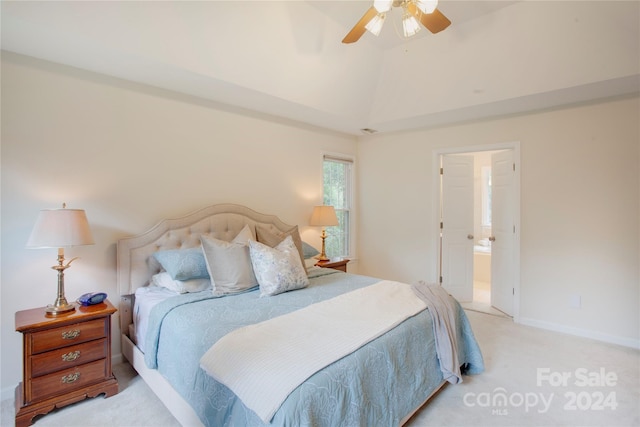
column 323, row 256
column 54, row 310
column 61, row 305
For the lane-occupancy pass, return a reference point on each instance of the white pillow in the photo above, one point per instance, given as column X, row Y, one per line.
column 229, row 263
column 271, row 236
column 244, row 236
column 164, row 280
column 278, row 269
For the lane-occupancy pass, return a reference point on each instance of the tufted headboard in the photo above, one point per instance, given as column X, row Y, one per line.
column 135, row 266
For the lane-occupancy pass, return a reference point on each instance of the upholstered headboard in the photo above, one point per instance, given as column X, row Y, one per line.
column 135, row 266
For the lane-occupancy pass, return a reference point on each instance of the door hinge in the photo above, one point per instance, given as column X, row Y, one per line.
column 514, row 167
column 441, row 171
column 440, row 279
column 441, row 225
column 513, row 291
column 514, row 229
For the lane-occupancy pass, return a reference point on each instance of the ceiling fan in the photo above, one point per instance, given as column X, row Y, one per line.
column 414, row 11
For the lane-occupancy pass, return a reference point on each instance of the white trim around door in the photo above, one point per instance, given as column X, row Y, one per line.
column 436, row 191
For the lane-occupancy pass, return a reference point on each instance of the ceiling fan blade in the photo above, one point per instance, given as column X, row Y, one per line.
column 358, row 30
column 434, row 22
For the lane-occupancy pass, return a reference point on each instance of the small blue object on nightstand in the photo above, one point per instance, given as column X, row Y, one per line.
column 92, row 298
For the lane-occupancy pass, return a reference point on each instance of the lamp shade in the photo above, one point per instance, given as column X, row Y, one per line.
column 375, row 25
column 324, row 216
column 60, row 228
column 427, row 6
column 410, row 25
column 382, row 6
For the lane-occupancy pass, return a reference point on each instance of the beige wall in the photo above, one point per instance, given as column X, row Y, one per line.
column 130, row 155
column 579, row 212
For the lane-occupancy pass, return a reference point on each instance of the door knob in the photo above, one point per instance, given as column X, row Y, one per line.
column 470, row 236
column 492, row 239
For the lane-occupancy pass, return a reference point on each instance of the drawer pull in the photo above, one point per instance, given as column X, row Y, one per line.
column 71, row 335
column 71, row 356
column 68, row 379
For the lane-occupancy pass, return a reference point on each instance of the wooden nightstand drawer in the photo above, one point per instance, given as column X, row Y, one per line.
column 68, row 357
column 67, row 335
column 67, row 380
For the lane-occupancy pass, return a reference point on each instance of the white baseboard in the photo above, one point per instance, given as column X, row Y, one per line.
column 611, row 339
column 116, row 359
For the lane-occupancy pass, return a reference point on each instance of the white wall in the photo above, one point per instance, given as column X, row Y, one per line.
column 130, row 155
column 580, row 214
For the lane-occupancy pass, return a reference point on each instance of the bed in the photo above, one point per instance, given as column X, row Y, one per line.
column 381, row 381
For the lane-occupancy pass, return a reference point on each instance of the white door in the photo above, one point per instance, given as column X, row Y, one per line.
column 502, row 231
column 457, row 226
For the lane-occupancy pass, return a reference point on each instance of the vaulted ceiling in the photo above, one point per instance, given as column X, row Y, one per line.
column 286, row 59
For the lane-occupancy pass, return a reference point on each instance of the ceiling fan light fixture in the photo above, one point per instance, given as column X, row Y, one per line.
column 427, row 6
column 375, row 25
column 416, row 13
column 382, row 6
column 410, row 25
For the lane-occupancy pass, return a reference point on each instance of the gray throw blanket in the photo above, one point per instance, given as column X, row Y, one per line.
column 442, row 308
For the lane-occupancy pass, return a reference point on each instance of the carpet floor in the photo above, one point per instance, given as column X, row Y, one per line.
column 533, row 377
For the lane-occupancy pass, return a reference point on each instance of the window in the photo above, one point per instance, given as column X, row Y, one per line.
column 338, row 192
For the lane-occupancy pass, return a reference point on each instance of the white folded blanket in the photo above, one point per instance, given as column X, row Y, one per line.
column 263, row 363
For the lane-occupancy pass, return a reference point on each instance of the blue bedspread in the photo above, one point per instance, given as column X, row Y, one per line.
column 379, row 384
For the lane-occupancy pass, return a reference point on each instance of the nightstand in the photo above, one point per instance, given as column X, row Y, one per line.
column 66, row 358
column 336, row 265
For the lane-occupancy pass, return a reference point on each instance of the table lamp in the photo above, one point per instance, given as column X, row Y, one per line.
column 323, row 216
column 60, row 228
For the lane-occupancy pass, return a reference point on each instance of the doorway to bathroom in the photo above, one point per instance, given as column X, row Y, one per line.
column 478, row 202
